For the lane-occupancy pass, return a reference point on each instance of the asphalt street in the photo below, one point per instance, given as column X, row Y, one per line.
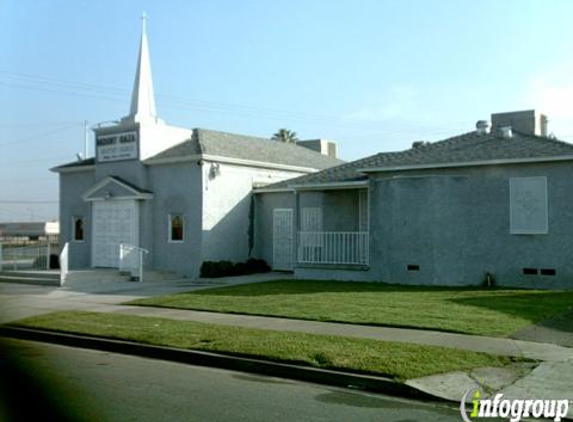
column 49, row 382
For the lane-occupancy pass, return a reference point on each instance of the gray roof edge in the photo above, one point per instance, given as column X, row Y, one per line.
column 476, row 163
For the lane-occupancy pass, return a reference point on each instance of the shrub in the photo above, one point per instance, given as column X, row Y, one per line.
column 215, row 269
column 257, row 266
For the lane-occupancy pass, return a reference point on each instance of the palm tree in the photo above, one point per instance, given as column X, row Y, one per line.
column 285, row 135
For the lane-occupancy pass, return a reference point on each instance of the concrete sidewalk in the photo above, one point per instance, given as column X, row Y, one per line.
column 552, row 378
column 493, row 345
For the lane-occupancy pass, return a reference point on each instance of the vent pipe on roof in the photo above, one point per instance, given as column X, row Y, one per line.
column 506, row 131
column 482, row 127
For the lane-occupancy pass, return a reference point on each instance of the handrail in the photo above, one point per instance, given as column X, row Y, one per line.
column 131, row 260
column 64, row 263
column 342, row 248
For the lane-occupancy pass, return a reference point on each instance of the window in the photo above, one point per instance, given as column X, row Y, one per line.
column 78, row 229
column 528, row 205
column 176, row 227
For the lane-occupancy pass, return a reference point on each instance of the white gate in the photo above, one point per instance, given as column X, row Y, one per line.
column 114, row 222
column 283, row 239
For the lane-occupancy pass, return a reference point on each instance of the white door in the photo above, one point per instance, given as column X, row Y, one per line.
column 114, row 222
column 283, row 237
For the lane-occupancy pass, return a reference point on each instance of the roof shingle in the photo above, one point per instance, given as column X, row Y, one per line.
column 223, row 144
column 466, row 148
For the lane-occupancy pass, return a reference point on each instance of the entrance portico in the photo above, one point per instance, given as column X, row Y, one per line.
column 115, row 217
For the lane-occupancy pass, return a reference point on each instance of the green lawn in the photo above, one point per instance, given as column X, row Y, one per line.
column 494, row 312
column 399, row 361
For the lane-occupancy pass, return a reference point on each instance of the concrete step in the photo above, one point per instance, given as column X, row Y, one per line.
column 47, row 274
column 42, row 278
column 95, row 276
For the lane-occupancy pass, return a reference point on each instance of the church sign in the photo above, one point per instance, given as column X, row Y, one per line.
column 119, row 146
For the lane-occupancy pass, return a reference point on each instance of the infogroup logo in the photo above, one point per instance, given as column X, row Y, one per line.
column 512, row 409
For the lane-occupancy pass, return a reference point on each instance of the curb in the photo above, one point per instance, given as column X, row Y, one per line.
column 236, row 363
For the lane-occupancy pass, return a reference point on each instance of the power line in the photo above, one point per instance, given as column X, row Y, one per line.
column 88, row 90
column 38, row 124
column 33, row 137
column 43, row 179
column 26, row 202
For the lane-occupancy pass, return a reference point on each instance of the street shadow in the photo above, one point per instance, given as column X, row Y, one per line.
column 551, row 309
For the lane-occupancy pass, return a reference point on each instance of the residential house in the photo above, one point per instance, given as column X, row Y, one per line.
column 445, row 213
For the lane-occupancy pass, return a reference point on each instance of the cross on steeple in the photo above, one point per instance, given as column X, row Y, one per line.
column 144, row 23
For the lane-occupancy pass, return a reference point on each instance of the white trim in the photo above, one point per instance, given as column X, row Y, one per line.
column 142, row 196
column 511, row 187
column 172, row 160
column 332, row 185
column 362, row 184
column 111, row 179
column 169, row 232
column 467, row 164
column 72, row 169
column 229, row 160
column 273, row 190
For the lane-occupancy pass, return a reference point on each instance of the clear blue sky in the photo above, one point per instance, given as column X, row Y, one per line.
column 373, row 75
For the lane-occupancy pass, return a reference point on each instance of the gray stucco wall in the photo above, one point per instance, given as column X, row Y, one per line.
column 72, row 186
column 265, row 203
column 454, row 224
column 176, row 190
column 134, row 171
column 447, row 227
column 228, row 209
column 332, row 273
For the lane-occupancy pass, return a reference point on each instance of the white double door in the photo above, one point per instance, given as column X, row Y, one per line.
column 114, row 222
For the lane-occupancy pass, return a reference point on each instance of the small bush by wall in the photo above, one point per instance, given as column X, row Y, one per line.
column 215, row 269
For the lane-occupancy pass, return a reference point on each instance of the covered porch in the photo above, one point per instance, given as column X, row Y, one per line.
column 332, row 226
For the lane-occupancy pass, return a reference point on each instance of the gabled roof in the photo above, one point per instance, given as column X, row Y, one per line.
column 230, row 145
column 75, row 164
column 116, row 187
column 463, row 150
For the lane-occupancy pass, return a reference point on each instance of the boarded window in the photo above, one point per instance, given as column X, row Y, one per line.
column 176, row 227
column 78, row 228
column 528, row 205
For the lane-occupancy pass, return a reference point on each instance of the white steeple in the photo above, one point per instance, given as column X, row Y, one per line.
column 142, row 99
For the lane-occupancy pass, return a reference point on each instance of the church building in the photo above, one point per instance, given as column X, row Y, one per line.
column 183, row 195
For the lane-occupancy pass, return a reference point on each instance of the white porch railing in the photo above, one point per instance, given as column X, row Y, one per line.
column 64, row 263
column 131, row 260
column 345, row 248
column 33, row 257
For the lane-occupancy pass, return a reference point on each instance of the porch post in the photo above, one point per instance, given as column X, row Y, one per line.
column 296, row 229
